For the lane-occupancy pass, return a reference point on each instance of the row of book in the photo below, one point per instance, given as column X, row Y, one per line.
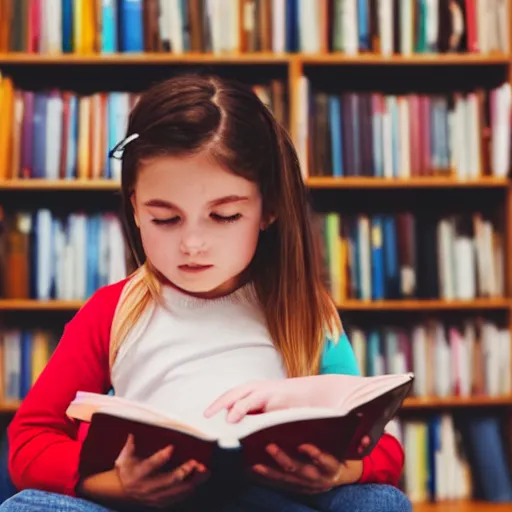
column 408, row 255
column 24, row 353
column 366, row 257
column 460, row 456
column 448, row 359
column 64, row 135
column 466, row 358
column 219, row 26
column 465, row 135
column 67, row 257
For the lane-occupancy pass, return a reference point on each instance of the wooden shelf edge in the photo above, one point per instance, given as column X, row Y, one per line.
column 399, row 305
column 348, row 305
column 145, row 58
column 9, row 407
column 42, row 184
column 39, row 305
column 312, row 183
column 419, row 182
column 456, row 401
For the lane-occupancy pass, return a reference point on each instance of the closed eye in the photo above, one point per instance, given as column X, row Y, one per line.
column 169, row 221
column 221, row 218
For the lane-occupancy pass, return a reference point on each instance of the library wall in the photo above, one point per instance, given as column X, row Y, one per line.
column 401, row 113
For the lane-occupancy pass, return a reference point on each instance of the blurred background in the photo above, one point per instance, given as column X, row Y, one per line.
column 401, row 114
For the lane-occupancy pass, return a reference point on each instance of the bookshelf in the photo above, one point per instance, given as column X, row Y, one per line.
column 434, row 185
column 111, row 70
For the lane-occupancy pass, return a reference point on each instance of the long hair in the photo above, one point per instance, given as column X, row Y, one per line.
column 191, row 113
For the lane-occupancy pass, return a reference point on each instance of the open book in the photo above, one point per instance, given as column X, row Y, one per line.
column 360, row 406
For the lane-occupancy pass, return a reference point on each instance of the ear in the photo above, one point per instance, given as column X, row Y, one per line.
column 134, row 207
column 266, row 223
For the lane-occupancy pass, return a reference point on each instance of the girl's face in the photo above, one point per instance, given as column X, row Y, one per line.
column 199, row 223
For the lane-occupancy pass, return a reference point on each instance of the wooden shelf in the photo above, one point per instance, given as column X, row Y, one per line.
column 255, row 58
column 42, row 184
column 348, row 305
column 426, row 59
column 39, row 305
column 9, row 407
column 144, row 58
column 461, row 506
column 422, row 305
column 313, row 183
column 455, row 401
column 423, row 182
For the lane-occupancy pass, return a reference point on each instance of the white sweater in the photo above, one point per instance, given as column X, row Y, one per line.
column 183, row 355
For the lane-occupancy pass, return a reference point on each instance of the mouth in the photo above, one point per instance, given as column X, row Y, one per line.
column 192, row 268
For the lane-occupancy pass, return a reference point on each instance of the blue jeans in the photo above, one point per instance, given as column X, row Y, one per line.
column 349, row 498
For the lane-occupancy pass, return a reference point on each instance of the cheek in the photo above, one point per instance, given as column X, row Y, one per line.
column 158, row 244
column 241, row 244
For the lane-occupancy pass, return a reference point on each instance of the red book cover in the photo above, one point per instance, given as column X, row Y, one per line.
column 362, row 411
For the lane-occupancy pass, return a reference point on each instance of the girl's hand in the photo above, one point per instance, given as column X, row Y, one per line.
column 141, row 483
column 320, row 475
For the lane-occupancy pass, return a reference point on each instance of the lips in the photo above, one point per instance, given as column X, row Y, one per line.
column 194, row 268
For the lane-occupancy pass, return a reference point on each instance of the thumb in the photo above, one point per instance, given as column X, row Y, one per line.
column 127, row 452
column 228, row 399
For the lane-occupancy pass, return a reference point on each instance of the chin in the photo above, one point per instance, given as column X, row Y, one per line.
column 205, row 286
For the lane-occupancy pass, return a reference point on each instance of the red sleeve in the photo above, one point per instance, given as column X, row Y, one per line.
column 385, row 464
column 43, row 446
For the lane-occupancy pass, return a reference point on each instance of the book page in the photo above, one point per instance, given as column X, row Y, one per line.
column 86, row 404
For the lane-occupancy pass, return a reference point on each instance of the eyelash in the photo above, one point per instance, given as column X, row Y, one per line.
column 216, row 217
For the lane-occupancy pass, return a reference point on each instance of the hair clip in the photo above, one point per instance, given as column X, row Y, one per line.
column 118, row 150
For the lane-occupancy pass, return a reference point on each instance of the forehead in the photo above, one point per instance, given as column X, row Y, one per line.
column 196, row 176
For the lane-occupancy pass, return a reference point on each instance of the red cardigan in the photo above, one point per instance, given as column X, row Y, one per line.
column 45, row 443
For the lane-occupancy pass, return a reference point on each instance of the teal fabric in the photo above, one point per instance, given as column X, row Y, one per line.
column 339, row 357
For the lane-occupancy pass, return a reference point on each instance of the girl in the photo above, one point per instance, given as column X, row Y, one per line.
column 228, row 289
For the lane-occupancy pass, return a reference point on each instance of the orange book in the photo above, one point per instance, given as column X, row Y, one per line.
column 6, row 126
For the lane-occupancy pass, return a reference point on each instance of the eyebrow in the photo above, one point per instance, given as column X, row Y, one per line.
column 161, row 203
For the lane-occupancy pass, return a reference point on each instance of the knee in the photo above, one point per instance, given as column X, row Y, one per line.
column 386, row 498
column 367, row 497
column 23, row 500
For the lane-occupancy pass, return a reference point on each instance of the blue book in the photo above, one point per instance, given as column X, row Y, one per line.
column 131, row 26
column 292, row 25
column 486, row 453
column 377, row 258
column 336, row 135
column 109, row 26
column 26, row 363
column 363, row 27
column 67, row 26
column 72, row 138
column 92, row 256
column 378, row 149
column 391, row 264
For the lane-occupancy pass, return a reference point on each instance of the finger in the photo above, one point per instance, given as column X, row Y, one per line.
column 251, row 403
column 285, row 461
column 176, row 476
column 127, row 452
column 228, row 399
column 153, row 462
column 325, row 462
column 365, row 442
column 179, row 492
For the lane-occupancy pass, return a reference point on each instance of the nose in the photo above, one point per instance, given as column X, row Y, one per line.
column 192, row 242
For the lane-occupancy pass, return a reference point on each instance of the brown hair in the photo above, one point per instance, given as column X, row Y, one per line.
column 193, row 113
